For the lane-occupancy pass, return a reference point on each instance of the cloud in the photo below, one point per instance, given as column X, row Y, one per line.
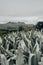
column 21, row 7
column 27, row 20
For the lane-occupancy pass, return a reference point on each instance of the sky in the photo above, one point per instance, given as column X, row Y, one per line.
column 27, row 10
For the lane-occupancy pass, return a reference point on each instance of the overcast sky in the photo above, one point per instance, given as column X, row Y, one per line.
column 21, row 8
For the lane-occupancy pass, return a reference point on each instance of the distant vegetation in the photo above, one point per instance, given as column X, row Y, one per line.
column 8, row 28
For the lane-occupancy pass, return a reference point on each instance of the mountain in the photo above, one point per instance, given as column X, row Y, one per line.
column 12, row 24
